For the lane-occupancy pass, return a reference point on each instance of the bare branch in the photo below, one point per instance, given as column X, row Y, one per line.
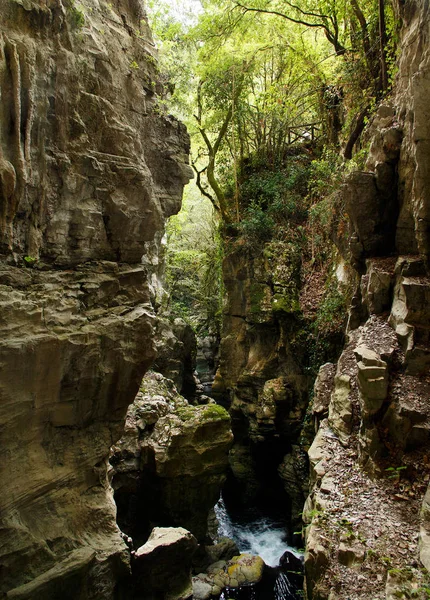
column 333, row 37
column 201, row 188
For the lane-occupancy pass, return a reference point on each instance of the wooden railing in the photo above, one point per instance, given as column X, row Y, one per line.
column 308, row 132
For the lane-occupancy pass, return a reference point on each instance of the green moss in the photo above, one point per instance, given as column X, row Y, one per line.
column 215, row 412
column 256, row 297
column 210, row 412
column 185, row 413
column 287, row 303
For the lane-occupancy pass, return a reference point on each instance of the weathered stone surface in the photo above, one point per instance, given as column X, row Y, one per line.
column 171, row 461
column 323, row 389
column 350, row 554
column 372, row 213
column 316, row 452
column 176, row 354
column 377, row 285
column 424, row 539
column 372, row 380
column 202, row 587
column 390, row 210
column 260, row 375
column 163, row 564
column 244, row 569
column 411, row 99
column 316, row 558
column 340, row 410
column 410, row 317
column 88, row 173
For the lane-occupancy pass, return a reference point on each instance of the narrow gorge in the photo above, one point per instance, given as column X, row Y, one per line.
column 272, row 348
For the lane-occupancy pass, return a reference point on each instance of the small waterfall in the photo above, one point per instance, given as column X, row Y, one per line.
column 260, row 535
column 264, row 537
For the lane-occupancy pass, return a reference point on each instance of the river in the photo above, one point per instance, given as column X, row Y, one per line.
column 265, row 537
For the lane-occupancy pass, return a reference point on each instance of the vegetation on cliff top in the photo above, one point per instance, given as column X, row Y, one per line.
column 275, row 96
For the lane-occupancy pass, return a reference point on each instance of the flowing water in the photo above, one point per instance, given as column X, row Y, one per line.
column 265, row 537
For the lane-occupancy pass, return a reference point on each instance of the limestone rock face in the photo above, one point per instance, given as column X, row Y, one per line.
column 411, row 99
column 369, row 466
column 88, row 173
column 171, row 461
column 176, row 345
column 259, row 375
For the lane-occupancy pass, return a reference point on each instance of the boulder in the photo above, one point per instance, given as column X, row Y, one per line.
column 377, row 284
column 241, row 570
column 372, row 379
column 424, row 536
column 163, row 564
column 316, row 558
column 372, row 212
column 289, row 561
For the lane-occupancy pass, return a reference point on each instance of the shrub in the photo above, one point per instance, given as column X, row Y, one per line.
column 257, row 225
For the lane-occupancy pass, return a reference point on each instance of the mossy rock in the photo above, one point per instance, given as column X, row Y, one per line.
column 286, row 303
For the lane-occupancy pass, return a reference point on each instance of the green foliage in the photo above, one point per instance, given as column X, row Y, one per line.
column 77, row 15
column 30, row 260
column 332, row 312
column 273, row 200
column 326, row 333
column 193, row 264
column 256, row 225
column 395, row 473
column 325, row 174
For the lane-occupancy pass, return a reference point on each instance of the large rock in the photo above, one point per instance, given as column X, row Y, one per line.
column 372, row 213
column 171, row 462
column 241, row 570
column 372, row 380
column 261, row 376
column 163, row 565
column 88, row 173
column 424, row 536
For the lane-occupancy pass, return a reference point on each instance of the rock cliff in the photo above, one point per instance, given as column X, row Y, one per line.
column 261, row 372
column 367, row 531
column 171, row 461
column 89, row 170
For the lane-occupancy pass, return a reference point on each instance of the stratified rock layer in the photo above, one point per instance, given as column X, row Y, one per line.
column 367, row 514
column 88, row 173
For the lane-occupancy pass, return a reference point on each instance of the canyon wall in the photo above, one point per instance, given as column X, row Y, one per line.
column 261, row 376
column 367, row 517
column 89, row 170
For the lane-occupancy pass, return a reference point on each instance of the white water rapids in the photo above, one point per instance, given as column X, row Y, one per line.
column 264, row 537
column 261, row 536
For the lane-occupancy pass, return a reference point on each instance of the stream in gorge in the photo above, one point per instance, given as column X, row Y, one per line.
column 264, row 536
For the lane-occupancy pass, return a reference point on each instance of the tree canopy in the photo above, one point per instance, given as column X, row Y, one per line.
column 250, row 77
